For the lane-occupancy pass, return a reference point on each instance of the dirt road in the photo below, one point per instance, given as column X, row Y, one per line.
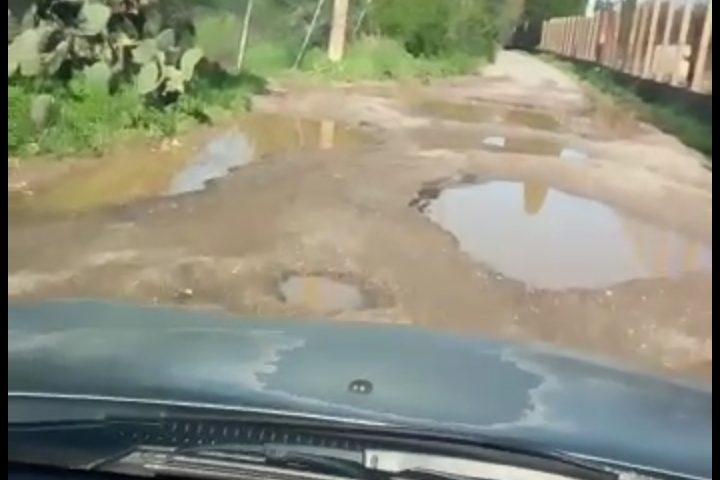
column 512, row 203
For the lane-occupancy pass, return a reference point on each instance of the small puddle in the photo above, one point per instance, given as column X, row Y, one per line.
column 549, row 239
column 321, row 293
column 132, row 174
column 487, row 113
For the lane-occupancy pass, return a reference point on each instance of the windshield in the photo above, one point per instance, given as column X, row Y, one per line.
column 460, row 216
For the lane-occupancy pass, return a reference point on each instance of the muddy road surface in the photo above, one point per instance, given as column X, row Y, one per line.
column 512, row 203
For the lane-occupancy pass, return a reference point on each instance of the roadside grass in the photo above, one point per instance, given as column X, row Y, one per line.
column 674, row 119
column 377, row 58
column 83, row 121
column 87, row 121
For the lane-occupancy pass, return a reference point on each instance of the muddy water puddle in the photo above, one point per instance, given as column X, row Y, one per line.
column 322, row 293
column 486, row 113
column 458, row 139
column 549, row 239
column 180, row 166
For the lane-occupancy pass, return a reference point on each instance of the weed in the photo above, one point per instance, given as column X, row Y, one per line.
column 375, row 58
column 675, row 119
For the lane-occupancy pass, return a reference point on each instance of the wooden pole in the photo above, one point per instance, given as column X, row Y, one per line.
column 245, row 34
column 681, row 42
column 338, row 30
column 650, row 48
column 308, row 34
column 699, row 73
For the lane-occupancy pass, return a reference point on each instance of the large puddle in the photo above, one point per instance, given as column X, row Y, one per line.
column 549, row 239
column 487, row 113
column 134, row 173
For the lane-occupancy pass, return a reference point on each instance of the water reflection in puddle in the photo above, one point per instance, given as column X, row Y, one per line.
column 321, row 293
column 549, row 239
column 132, row 173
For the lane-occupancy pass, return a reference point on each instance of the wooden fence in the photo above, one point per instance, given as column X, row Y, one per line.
column 668, row 41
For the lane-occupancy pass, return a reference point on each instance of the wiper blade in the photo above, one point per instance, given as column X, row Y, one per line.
column 318, row 459
column 235, row 460
column 232, row 460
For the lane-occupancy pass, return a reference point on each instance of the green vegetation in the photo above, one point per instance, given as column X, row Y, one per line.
column 378, row 58
column 675, row 119
column 83, row 119
column 83, row 74
column 539, row 10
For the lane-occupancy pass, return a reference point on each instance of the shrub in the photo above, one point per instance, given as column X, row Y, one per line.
column 438, row 27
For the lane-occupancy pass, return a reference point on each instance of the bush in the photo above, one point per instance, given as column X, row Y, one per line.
column 439, row 27
column 90, row 120
column 377, row 58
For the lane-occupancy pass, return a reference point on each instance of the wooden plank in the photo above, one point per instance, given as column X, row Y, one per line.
column 665, row 42
column 566, row 36
column 570, row 37
column 681, row 42
column 574, row 42
column 594, row 38
column 615, row 42
column 587, row 37
column 652, row 35
column 642, row 35
column 628, row 60
column 699, row 73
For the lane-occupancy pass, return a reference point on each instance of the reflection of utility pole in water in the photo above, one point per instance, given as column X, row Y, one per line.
column 534, row 196
column 310, row 291
column 327, row 134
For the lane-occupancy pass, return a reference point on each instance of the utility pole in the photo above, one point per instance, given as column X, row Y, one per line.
column 338, row 30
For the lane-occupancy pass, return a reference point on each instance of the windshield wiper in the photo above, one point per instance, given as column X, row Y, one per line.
column 234, row 460
column 237, row 460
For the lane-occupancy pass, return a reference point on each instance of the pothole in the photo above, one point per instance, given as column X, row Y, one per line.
column 487, row 113
column 549, row 239
column 323, row 293
column 184, row 166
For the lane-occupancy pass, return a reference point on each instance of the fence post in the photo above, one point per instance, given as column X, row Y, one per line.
column 649, row 51
column 628, row 60
column 669, row 20
column 594, row 34
column 681, row 41
column 642, row 31
column 615, row 43
column 338, row 30
column 699, row 73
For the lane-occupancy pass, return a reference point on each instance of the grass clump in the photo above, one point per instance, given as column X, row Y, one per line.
column 377, row 58
column 87, row 120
